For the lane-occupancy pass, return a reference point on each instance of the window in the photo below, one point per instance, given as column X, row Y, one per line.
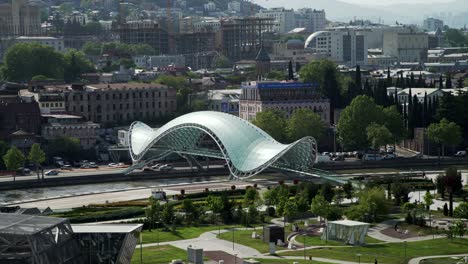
column 113, row 106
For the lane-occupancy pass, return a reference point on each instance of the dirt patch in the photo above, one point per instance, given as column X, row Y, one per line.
column 221, row 255
column 401, row 234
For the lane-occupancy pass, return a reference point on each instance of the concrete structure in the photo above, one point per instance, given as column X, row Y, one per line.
column 246, row 149
column 407, row 47
column 55, row 43
column 20, row 18
column 262, row 63
column 341, row 45
column 432, row 94
column 16, row 114
column 350, row 232
column 273, row 233
column 226, row 101
column 144, row 32
column 283, row 96
column 150, row 62
column 56, row 126
column 311, row 19
column 121, row 102
column 432, row 24
column 284, row 18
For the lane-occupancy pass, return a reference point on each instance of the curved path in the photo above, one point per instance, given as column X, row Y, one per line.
column 375, row 232
column 417, row 260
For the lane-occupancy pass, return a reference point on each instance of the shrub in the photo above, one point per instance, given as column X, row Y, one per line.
column 409, row 218
column 461, row 211
column 271, row 211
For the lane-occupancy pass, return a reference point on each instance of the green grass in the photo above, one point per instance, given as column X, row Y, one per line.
column 181, row 233
column 161, row 254
column 244, row 237
column 316, row 241
column 288, row 261
column 442, row 260
column 391, row 252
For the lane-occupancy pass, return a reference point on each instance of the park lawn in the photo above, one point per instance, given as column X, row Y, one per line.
column 316, row 241
column 181, row 233
column 244, row 237
column 453, row 260
column 390, row 252
column 424, row 231
column 157, row 255
column 289, row 261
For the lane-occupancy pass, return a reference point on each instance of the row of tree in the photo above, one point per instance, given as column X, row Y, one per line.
column 14, row 159
column 117, row 49
column 24, row 61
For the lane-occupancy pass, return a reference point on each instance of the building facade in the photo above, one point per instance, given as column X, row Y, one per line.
column 20, row 18
column 283, row 17
column 55, row 43
column 56, row 126
column 226, row 101
column 283, row 96
column 407, row 47
column 121, row 102
column 311, row 19
column 432, row 24
column 341, row 45
column 16, row 114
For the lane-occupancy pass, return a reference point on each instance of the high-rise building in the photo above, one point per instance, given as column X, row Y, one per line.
column 284, row 18
column 20, row 18
column 406, row 46
column 341, row 45
column 432, row 24
column 311, row 19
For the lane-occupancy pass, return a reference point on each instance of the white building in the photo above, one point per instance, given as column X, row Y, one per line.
column 432, row 94
column 284, row 18
column 55, row 43
column 311, row 19
column 407, row 47
column 234, row 6
column 210, row 6
column 341, row 45
column 432, row 24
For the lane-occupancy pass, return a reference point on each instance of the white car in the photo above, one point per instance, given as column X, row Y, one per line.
column 461, row 153
column 166, row 167
column 112, row 165
column 156, row 166
column 51, row 173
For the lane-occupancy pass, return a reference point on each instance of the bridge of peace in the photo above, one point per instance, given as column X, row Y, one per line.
column 247, row 149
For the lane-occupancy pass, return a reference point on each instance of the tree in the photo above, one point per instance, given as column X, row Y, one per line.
column 271, row 197
column 303, row 123
column 400, row 191
column 3, row 150
column 325, row 74
column 439, row 184
column 153, row 212
column 372, row 203
column 455, row 37
column 348, row 189
column 272, row 122
column 167, row 214
column 66, row 147
column 355, row 119
column 37, row 156
column 215, row 204
column 22, row 61
column 320, row 206
column 428, row 200
column 252, row 214
column 444, row 133
column 290, row 71
column 461, row 211
column 378, row 135
column 191, row 211
column 327, row 191
column 276, row 75
column 453, row 184
column 394, row 122
column 13, row 159
column 252, row 196
column 221, row 62
column 75, row 65
column 290, row 209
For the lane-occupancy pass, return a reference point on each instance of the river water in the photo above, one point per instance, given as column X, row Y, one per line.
column 49, row 192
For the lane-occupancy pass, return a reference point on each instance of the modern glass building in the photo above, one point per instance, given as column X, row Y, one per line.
column 29, row 239
column 247, row 149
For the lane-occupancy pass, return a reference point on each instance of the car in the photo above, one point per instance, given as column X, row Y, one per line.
column 323, row 159
column 390, row 149
column 147, row 169
column 389, row 156
column 166, row 167
column 66, row 167
column 51, row 173
column 93, row 165
column 418, row 156
column 461, row 153
column 156, row 166
column 23, row 171
column 339, row 158
column 373, row 157
column 112, row 165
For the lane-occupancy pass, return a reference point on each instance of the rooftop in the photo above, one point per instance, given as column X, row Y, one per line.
column 125, row 86
column 18, row 224
column 348, row 223
column 105, row 228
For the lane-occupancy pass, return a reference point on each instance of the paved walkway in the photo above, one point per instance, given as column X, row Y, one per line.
column 417, row 260
column 375, row 232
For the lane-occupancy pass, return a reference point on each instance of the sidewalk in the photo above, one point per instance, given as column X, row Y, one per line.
column 417, row 260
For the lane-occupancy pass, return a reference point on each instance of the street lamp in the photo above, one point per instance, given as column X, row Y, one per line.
column 359, row 258
column 232, row 238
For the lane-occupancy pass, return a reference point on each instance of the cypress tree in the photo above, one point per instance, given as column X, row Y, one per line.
column 412, row 82
column 290, row 71
column 408, row 83
column 441, row 82
column 421, row 83
column 429, row 111
column 367, row 88
column 389, row 78
column 448, row 82
column 460, row 82
column 425, row 113
column 405, row 113
column 357, row 78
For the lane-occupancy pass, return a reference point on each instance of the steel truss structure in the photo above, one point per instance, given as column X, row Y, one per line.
column 247, row 149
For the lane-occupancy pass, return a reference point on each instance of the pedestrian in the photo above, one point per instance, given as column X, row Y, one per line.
column 375, row 261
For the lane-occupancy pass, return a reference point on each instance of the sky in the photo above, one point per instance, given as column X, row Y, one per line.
column 389, row 2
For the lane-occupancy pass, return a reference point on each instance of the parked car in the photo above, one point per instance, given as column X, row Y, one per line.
column 323, row 159
column 93, row 165
column 51, row 173
column 461, row 153
column 112, row 165
column 389, row 156
column 23, row 171
column 373, row 157
column 166, row 167
column 156, row 166
column 339, row 158
column 66, row 167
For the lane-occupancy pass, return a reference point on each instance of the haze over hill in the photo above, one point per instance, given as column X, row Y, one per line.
column 453, row 12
